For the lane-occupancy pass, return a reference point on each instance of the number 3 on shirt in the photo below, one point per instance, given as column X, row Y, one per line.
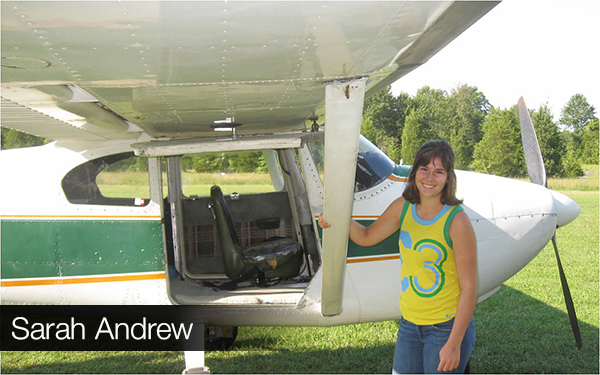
column 432, row 266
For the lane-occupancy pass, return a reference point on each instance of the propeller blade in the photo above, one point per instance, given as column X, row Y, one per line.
column 568, row 298
column 537, row 175
column 531, row 147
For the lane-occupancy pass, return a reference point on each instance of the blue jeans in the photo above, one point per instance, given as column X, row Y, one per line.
column 418, row 347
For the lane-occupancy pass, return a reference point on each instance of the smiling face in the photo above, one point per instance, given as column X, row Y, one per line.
column 433, row 174
column 431, row 179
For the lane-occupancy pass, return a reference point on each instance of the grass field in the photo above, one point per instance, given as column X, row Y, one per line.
column 136, row 185
column 524, row 328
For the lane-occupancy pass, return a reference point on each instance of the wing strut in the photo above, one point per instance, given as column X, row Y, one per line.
column 343, row 115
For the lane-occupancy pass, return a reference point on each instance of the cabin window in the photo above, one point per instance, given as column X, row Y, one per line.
column 114, row 180
column 239, row 172
column 372, row 165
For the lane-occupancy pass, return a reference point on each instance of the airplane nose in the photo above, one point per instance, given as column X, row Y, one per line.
column 566, row 208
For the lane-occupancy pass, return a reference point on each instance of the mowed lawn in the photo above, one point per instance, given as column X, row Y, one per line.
column 524, row 328
column 136, row 184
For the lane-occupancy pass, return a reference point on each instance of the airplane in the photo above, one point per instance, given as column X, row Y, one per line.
column 112, row 82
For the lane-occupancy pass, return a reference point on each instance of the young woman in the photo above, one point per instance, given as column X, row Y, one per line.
column 438, row 265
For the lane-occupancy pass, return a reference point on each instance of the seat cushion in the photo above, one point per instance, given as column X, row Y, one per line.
column 279, row 248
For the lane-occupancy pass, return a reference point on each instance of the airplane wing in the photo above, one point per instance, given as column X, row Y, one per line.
column 99, row 70
column 83, row 71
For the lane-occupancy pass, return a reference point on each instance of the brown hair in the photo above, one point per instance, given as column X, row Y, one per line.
column 428, row 151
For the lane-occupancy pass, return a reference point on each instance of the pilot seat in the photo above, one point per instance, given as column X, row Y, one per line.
column 274, row 258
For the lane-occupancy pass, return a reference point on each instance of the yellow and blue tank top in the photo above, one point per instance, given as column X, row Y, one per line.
column 430, row 288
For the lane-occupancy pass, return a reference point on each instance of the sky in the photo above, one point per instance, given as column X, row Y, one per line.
column 543, row 50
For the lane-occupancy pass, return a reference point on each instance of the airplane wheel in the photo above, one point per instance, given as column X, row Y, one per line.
column 219, row 338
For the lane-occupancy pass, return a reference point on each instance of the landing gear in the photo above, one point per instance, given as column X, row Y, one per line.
column 219, row 338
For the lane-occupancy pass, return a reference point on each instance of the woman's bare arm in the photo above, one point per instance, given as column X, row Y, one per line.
column 382, row 228
column 465, row 257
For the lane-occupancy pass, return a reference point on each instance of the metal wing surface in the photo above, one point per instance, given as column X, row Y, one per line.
column 99, row 70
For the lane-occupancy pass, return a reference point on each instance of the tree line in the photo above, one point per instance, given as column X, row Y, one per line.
column 484, row 138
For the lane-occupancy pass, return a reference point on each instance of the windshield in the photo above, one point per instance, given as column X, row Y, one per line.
column 372, row 165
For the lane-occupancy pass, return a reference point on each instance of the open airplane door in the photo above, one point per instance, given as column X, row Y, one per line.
column 343, row 114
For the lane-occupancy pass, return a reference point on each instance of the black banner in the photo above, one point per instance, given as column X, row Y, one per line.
column 101, row 328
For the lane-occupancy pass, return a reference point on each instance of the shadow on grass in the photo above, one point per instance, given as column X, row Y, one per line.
column 515, row 334
column 519, row 334
column 93, row 363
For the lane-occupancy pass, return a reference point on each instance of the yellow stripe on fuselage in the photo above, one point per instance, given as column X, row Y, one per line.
column 83, row 279
column 373, row 259
column 112, row 217
column 398, row 179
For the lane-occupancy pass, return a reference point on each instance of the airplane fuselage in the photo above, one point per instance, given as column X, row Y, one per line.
column 55, row 251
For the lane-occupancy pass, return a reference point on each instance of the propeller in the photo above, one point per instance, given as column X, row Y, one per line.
column 537, row 175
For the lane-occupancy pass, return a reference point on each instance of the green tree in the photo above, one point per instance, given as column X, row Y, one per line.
column 577, row 113
column 241, row 162
column 550, row 140
column 468, row 108
column 571, row 159
column 428, row 118
column 589, row 143
column 412, row 137
column 384, row 113
column 390, row 145
column 206, row 163
column 500, row 151
column 383, row 121
column 247, row 162
column 432, row 107
column 456, row 118
column 15, row 139
column 368, row 130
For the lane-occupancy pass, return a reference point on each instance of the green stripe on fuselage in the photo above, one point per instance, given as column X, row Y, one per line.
column 389, row 246
column 63, row 248
column 402, row 170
